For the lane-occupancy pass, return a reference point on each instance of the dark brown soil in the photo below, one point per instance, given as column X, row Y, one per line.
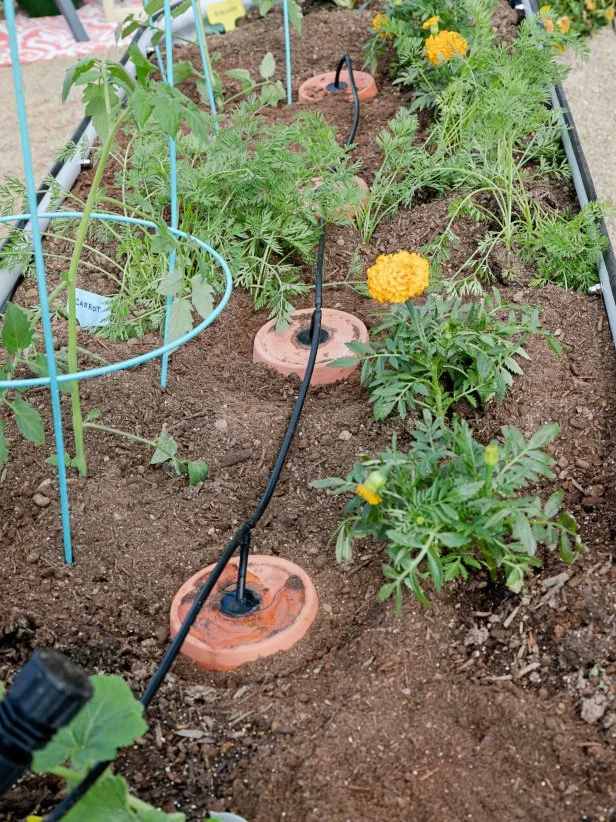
column 484, row 706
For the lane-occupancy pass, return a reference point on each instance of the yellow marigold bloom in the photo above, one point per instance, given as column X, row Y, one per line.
column 564, row 24
column 431, row 21
column 369, row 489
column 395, row 278
column 370, row 496
column 378, row 23
column 609, row 14
column 378, row 20
column 444, row 46
column 545, row 10
column 591, row 5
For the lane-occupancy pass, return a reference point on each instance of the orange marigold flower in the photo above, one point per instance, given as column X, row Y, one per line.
column 444, row 46
column 431, row 21
column 395, row 278
column 378, row 24
column 609, row 14
column 564, row 24
column 369, row 489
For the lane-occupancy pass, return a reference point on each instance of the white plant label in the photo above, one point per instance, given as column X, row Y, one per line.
column 92, row 309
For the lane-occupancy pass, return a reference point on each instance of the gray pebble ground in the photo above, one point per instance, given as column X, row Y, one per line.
column 591, row 91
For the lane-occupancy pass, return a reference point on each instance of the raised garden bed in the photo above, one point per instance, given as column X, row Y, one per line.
column 480, row 706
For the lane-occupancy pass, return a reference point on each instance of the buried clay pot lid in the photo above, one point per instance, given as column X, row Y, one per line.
column 315, row 89
column 288, row 607
column 287, row 351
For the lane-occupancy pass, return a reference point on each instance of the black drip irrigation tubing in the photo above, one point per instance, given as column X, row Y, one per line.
column 241, row 538
column 583, row 181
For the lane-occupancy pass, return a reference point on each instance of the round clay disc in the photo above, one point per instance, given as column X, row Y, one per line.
column 289, row 605
column 315, row 89
column 284, row 352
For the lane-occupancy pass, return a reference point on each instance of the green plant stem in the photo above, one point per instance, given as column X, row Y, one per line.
column 73, row 777
column 108, row 430
column 80, row 454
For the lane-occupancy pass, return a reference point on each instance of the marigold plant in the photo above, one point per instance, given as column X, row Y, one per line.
column 450, row 506
column 396, row 278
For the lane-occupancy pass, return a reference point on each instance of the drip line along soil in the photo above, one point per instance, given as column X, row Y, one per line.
column 374, row 715
column 242, row 537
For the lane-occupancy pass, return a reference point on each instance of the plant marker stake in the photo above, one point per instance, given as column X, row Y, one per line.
column 205, row 59
column 173, row 186
column 287, row 49
column 9, row 13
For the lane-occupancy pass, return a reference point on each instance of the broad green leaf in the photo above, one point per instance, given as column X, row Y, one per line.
column 436, row 568
column 17, row 332
column 202, row 296
column 29, row 421
column 106, row 801
column 182, row 71
column 467, row 490
column 268, row 66
column 74, row 73
column 328, row 482
column 197, row 472
column 172, row 283
column 143, row 67
column 515, row 579
column 112, row 719
column 4, row 447
column 522, row 531
column 167, row 113
column 566, row 553
column 170, row 446
column 344, row 549
column 141, row 105
column 265, row 6
column 162, row 242
column 451, row 539
column 295, row 15
column 343, row 362
column 243, row 75
column 180, row 322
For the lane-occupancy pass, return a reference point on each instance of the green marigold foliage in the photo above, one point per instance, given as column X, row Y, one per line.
column 451, row 505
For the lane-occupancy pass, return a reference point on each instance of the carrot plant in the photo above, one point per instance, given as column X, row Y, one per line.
column 450, row 506
column 256, row 191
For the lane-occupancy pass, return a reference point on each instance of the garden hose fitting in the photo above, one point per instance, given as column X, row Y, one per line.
column 44, row 697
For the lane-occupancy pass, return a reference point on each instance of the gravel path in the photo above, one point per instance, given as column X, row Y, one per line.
column 51, row 122
column 591, row 90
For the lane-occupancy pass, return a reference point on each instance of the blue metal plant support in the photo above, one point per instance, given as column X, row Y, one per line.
column 54, row 379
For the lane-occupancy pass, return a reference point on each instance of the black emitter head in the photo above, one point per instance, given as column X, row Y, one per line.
column 44, row 697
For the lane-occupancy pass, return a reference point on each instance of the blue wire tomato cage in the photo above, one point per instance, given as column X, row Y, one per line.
column 54, row 379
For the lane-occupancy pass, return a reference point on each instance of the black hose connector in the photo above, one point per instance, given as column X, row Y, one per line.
column 44, row 697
